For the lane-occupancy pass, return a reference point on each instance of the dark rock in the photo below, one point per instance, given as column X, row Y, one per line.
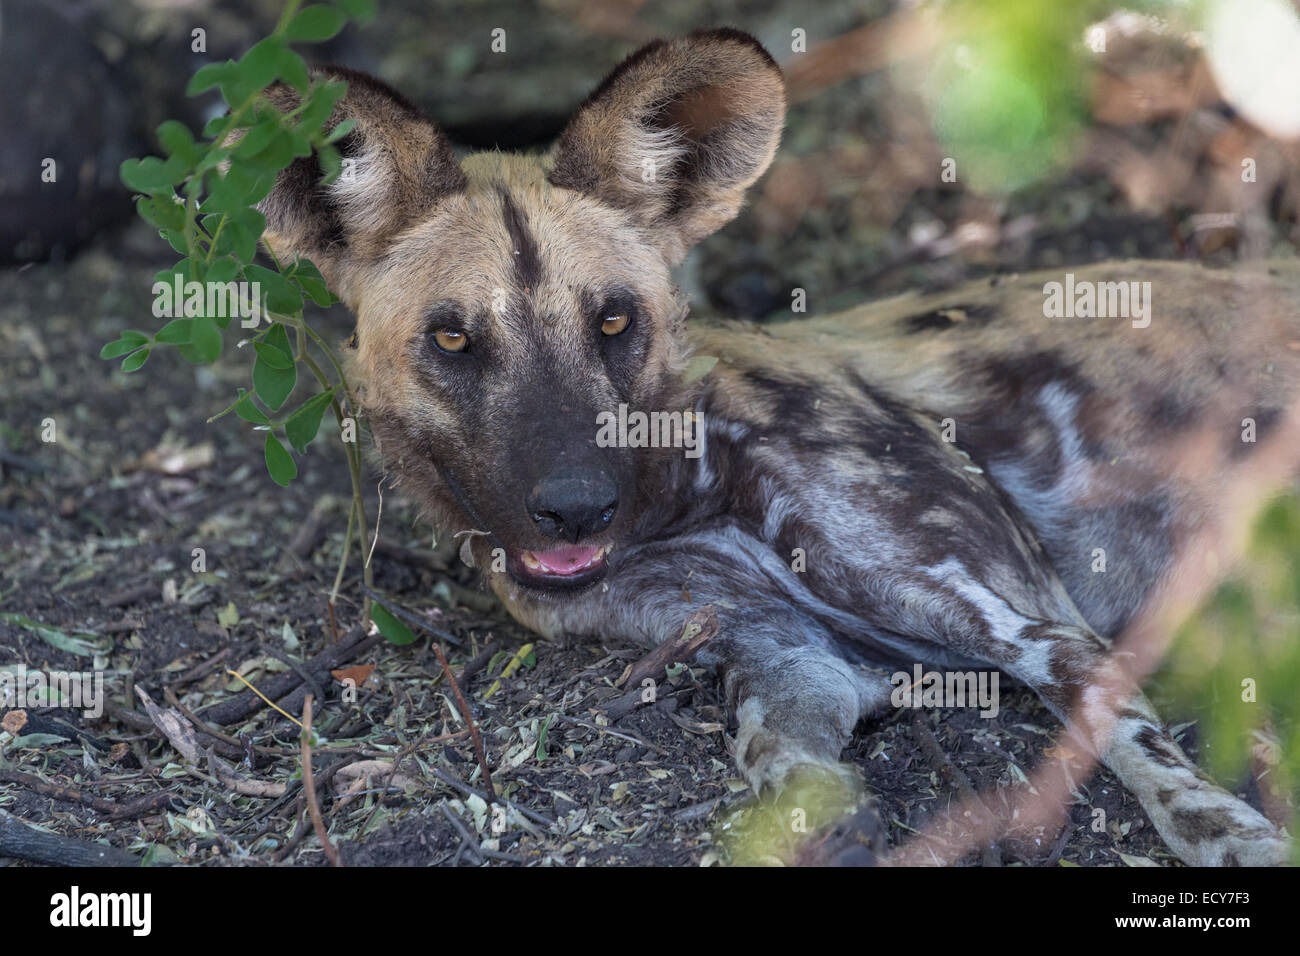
column 62, row 102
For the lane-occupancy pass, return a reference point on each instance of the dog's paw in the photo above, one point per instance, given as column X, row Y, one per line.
column 817, row 815
column 1206, row 825
column 1264, row 848
column 857, row 839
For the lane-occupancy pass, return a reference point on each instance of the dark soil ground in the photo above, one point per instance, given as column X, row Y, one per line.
column 98, row 531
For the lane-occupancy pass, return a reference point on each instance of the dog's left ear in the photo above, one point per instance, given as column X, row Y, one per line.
column 676, row 134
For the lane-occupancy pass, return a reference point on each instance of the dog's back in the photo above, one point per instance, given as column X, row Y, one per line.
column 1113, row 434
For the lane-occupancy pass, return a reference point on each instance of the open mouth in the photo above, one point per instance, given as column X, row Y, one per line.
column 564, row 568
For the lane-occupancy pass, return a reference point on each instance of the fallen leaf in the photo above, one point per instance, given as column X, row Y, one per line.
column 81, row 644
column 169, row 458
column 174, row 726
column 358, row 674
column 1136, row 860
column 14, row 721
column 228, row 616
column 365, row 774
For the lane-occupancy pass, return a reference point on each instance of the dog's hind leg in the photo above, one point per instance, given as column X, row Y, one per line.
column 1200, row 821
column 1075, row 673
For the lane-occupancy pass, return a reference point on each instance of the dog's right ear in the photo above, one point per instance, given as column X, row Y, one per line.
column 397, row 166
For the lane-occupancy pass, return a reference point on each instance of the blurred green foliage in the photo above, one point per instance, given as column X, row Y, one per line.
column 1007, row 86
column 1235, row 663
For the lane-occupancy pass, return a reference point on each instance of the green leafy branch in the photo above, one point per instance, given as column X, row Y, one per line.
column 202, row 197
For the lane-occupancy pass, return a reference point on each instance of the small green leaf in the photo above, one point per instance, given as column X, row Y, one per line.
column 305, row 273
column 258, row 67
column 272, row 356
column 83, row 645
column 205, row 337
column 279, row 462
column 330, row 163
column 281, row 294
column 278, row 154
column 176, row 239
column 182, row 269
column 151, row 175
column 237, row 86
column 389, row 626
column 272, row 384
column 223, row 270
column 320, row 104
column 178, row 141
column 162, row 211
column 175, row 332
column 256, row 138
column 303, row 424
column 363, row 11
column 315, row 23
column 135, row 360
column 302, row 266
column 207, row 77
column 293, row 70
column 542, row 733
column 115, row 348
column 214, row 157
column 240, row 234
column 238, row 189
column 228, row 616
column 215, row 125
column 341, row 130
column 247, row 409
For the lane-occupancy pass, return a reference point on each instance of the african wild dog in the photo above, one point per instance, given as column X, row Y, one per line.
column 504, row 302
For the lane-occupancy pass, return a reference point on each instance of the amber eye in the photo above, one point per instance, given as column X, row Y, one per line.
column 451, row 341
column 613, row 324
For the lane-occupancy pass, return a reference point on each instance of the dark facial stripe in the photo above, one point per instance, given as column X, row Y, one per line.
column 528, row 268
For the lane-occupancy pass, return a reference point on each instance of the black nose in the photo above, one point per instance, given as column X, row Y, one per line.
column 571, row 503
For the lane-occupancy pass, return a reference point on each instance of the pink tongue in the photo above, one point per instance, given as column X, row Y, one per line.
column 567, row 559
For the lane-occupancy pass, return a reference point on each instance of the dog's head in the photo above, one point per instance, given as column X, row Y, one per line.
column 505, row 302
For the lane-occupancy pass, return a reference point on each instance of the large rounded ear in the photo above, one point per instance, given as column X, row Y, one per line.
column 676, row 134
column 396, row 166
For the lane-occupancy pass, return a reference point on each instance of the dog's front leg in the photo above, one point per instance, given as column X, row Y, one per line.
column 794, row 697
column 795, row 703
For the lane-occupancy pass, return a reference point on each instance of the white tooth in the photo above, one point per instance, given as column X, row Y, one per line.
column 531, row 563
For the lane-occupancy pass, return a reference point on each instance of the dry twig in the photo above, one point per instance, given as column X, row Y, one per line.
column 309, row 787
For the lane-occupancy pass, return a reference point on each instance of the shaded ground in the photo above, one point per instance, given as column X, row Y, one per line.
column 98, row 531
